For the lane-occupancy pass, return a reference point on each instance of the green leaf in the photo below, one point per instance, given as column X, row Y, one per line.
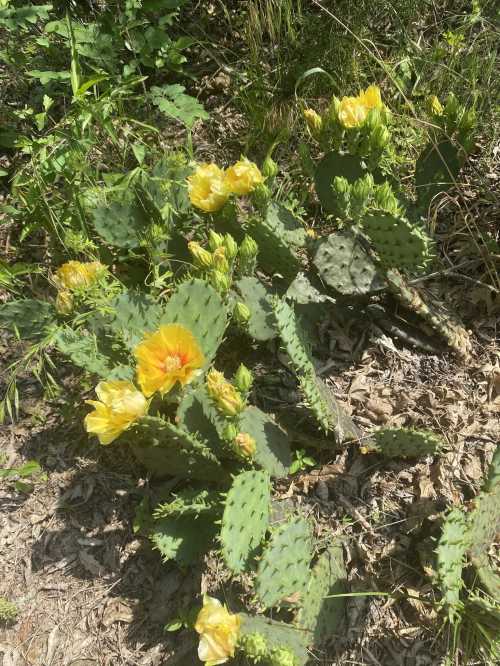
column 46, row 76
column 174, row 102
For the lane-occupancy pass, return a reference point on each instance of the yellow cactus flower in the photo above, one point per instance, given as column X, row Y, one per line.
column 371, row 98
column 219, row 630
column 314, row 121
column 435, row 106
column 220, row 261
column 64, row 302
column 225, row 395
column 167, row 356
column 245, row 443
column 352, row 112
column 78, row 275
column 243, row 177
column 120, row 404
column 201, row 256
column 207, row 188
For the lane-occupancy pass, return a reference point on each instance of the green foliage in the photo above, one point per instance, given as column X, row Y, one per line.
column 29, row 318
column 8, row 610
column 173, row 101
column 245, row 518
column 451, row 552
column 183, row 539
column 275, row 635
column 283, row 569
column 82, row 349
column 484, row 524
column 405, row 443
column 436, row 171
column 272, row 446
column 255, row 295
column 493, row 479
column 134, row 314
column 189, row 502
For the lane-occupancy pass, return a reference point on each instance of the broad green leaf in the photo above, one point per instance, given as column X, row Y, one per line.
column 174, row 102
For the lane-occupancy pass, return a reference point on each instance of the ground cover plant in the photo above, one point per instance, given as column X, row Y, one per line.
column 183, row 301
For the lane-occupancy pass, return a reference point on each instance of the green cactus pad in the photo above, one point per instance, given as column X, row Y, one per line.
column 283, row 569
column 272, row 447
column 398, row 242
column 284, row 224
column 189, row 502
column 484, row 524
column 245, row 519
column 406, row 443
column 197, row 414
column 335, row 164
column 275, row 253
column 436, row 171
column 320, row 615
column 451, row 553
column 319, row 400
column 135, row 313
column 344, row 265
column 120, row 223
column 198, row 307
column 254, row 294
column 82, row 349
column 302, row 292
column 31, row 318
column 493, row 479
column 184, row 539
column 277, row 635
column 168, row 450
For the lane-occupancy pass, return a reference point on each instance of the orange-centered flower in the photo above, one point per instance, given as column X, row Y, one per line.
column 168, row 356
column 120, row 404
column 219, row 630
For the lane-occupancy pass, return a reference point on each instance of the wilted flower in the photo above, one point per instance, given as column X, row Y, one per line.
column 64, row 301
column 207, row 188
column 120, row 404
column 201, row 256
column 168, row 356
column 243, row 177
column 245, row 444
column 435, row 106
column 226, row 397
column 314, row 121
column 371, row 98
column 77, row 274
column 218, row 630
column 352, row 112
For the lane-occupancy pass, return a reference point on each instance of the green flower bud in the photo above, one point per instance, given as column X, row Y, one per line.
column 220, row 281
column 333, row 110
column 373, row 120
column 384, row 198
column 342, row 193
column 434, row 106
column 215, row 240
column 254, row 646
column 451, row 110
column 467, row 122
column 230, row 432
column 379, row 138
column 248, row 248
column 261, row 195
column 241, row 313
column 243, row 379
column 269, row 168
column 219, row 260
column 282, row 657
column 201, row 257
column 231, row 247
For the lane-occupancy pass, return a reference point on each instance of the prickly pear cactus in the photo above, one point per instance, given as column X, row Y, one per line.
column 272, row 451
column 436, row 171
column 320, row 615
column 189, row 502
column 29, row 317
column 328, row 413
column 398, row 242
column 303, row 292
column 484, row 528
column 261, row 324
column 168, row 450
column 344, row 265
column 183, row 538
column 451, row 553
column 493, row 479
column 405, row 443
column 285, row 225
column 198, row 307
column 335, row 164
column 283, row 569
column 274, row 635
column 197, row 414
column 246, row 517
column 120, row 223
column 276, row 255
column 134, row 314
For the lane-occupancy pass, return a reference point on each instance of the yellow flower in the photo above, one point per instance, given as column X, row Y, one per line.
column 313, row 120
column 201, row 256
column 64, row 302
column 352, row 112
column 243, row 177
column 120, row 404
column 218, row 630
column 227, row 398
column 78, row 275
column 167, row 356
column 207, row 188
column 245, row 443
column 371, row 98
column 435, row 106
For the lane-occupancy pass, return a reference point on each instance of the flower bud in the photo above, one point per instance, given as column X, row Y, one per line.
column 333, row 110
column 241, row 313
column 467, row 121
column 373, row 120
column 434, row 106
column 64, row 302
column 220, row 281
column 254, row 646
column 215, row 240
column 361, row 192
column 314, row 122
column 384, row 198
column 248, row 248
column 379, row 138
column 227, row 399
column 219, row 260
column 269, row 168
column 282, row 656
column 451, row 109
column 202, row 257
column 261, row 195
column 243, row 379
column 245, row 444
column 230, row 432
column 342, row 193
column 230, row 246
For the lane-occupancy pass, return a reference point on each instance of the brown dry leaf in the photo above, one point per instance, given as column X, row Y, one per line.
column 117, row 610
column 90, row 563
column 379, row 410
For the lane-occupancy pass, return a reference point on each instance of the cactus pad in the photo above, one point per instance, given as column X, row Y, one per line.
column 493, row 479
column 484, row 524
column 272, row 451
column 406, row 443
column 335, row 164
column 436, row 171
column 321, row 615
column 302, row 292
column 135, row 314
column 168, row 450
column 198, row 307
column 198, row 414
column 275, row 253
column 283, row 570
column 450, row 553
column 189, row 502
column 184, row 539
column 276, row 635
column 29, row 317
column 120, row 223
column 245, row 519
column 285, row 225
column 345, row 266
column 398, row 242
column 261, row 324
